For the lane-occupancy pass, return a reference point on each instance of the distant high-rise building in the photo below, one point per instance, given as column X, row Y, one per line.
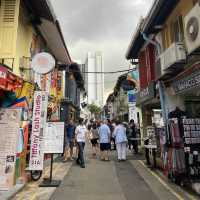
column 94, row 82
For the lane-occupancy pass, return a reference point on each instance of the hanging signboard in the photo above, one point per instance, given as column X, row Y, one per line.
column 146, row 94
column 9, row 134
column 38, row 126
column 43, row 63
column 132, row 112
column 54, row 137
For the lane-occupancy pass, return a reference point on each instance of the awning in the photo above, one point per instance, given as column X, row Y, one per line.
column 8, row 80
column 49, row 27
column 41, row 8
column 55, row 41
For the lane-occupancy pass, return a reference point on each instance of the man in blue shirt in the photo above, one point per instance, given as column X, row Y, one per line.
column 69, row 140
column 104, row 139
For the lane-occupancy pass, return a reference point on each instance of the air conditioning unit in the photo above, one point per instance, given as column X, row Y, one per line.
column 172, row 56
column 192, row 29
column 175, row 54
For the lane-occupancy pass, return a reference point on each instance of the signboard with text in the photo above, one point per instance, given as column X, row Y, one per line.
column 54, row 137
column 146, row 94
column 38, row 128
column 9, row 134
column 188, row 82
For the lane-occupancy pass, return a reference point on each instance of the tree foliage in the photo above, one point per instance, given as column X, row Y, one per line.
column 94, row 109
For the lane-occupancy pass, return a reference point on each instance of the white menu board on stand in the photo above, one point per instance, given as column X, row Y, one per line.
column 9, row 134
column 54, row 137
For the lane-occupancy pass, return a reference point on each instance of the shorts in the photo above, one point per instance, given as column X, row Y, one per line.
column 94, row 142
column 104, row 146
column 69, row 143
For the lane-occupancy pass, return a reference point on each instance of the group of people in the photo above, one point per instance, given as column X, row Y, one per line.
column 102, row 135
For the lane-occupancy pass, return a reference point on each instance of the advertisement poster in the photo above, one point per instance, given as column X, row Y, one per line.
column 9, row 123
column 54, row 137
column 37, row 134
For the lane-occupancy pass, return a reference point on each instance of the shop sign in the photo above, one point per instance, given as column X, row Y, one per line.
column 38, row 126
column 9, row 134
column 189, row 82
column 43, row 63
column 54, row 137
column 146, row 94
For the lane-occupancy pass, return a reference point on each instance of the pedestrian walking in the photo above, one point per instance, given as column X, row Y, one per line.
column 80, row 134
column 69, row 140
column 133, row 135
column 120, row 140
column 112, row 142
column 94, row 136
column 104, row 139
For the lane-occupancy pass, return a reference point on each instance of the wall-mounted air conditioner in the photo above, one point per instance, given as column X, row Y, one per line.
column 175, row 54
column 192, row 29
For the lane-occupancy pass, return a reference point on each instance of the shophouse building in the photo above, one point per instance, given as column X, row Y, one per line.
column 172, row 29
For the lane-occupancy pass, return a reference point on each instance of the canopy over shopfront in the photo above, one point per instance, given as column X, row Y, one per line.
column 49, row 28
column 8, row 80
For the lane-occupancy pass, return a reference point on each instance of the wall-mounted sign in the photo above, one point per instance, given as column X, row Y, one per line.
column 146, row 94
column 43, row 63
column 38, row 126
column 186, row 83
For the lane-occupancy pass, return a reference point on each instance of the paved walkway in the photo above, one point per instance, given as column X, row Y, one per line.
column 105, row 181
column 113, row 181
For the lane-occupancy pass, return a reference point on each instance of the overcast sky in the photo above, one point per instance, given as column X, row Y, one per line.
column 100, row 25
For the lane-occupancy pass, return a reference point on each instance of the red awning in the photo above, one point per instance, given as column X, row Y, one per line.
column 8, row 80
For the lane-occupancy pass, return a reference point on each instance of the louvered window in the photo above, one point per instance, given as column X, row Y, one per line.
column 9, row 11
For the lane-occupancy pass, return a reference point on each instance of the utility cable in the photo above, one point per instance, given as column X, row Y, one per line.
column 111, row 72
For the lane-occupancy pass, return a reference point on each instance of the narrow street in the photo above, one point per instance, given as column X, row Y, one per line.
column 113, row 180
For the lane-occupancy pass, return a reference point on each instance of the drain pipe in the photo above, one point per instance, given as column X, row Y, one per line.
column 160, row 85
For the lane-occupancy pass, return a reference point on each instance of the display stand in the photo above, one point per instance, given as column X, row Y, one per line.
column 49, row 182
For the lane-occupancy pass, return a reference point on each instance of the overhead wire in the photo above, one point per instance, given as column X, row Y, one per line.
column 110, row 72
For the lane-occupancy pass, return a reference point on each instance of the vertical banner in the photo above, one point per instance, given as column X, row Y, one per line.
column 38, row 126
column 9, row 134
column 132, row 112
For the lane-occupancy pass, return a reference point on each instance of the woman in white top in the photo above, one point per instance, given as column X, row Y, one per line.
column 120, row 140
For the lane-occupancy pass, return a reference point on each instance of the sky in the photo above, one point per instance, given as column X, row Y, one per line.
column 100, row 25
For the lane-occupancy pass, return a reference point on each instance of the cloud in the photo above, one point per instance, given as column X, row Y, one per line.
column 106, row 25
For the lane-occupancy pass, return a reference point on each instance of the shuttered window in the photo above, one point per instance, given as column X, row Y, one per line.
column 9, row 12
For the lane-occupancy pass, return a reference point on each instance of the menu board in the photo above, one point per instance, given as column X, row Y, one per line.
column 9, row 134
column 54, row 137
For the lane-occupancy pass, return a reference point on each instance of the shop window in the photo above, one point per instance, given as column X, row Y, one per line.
column 176, row 30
